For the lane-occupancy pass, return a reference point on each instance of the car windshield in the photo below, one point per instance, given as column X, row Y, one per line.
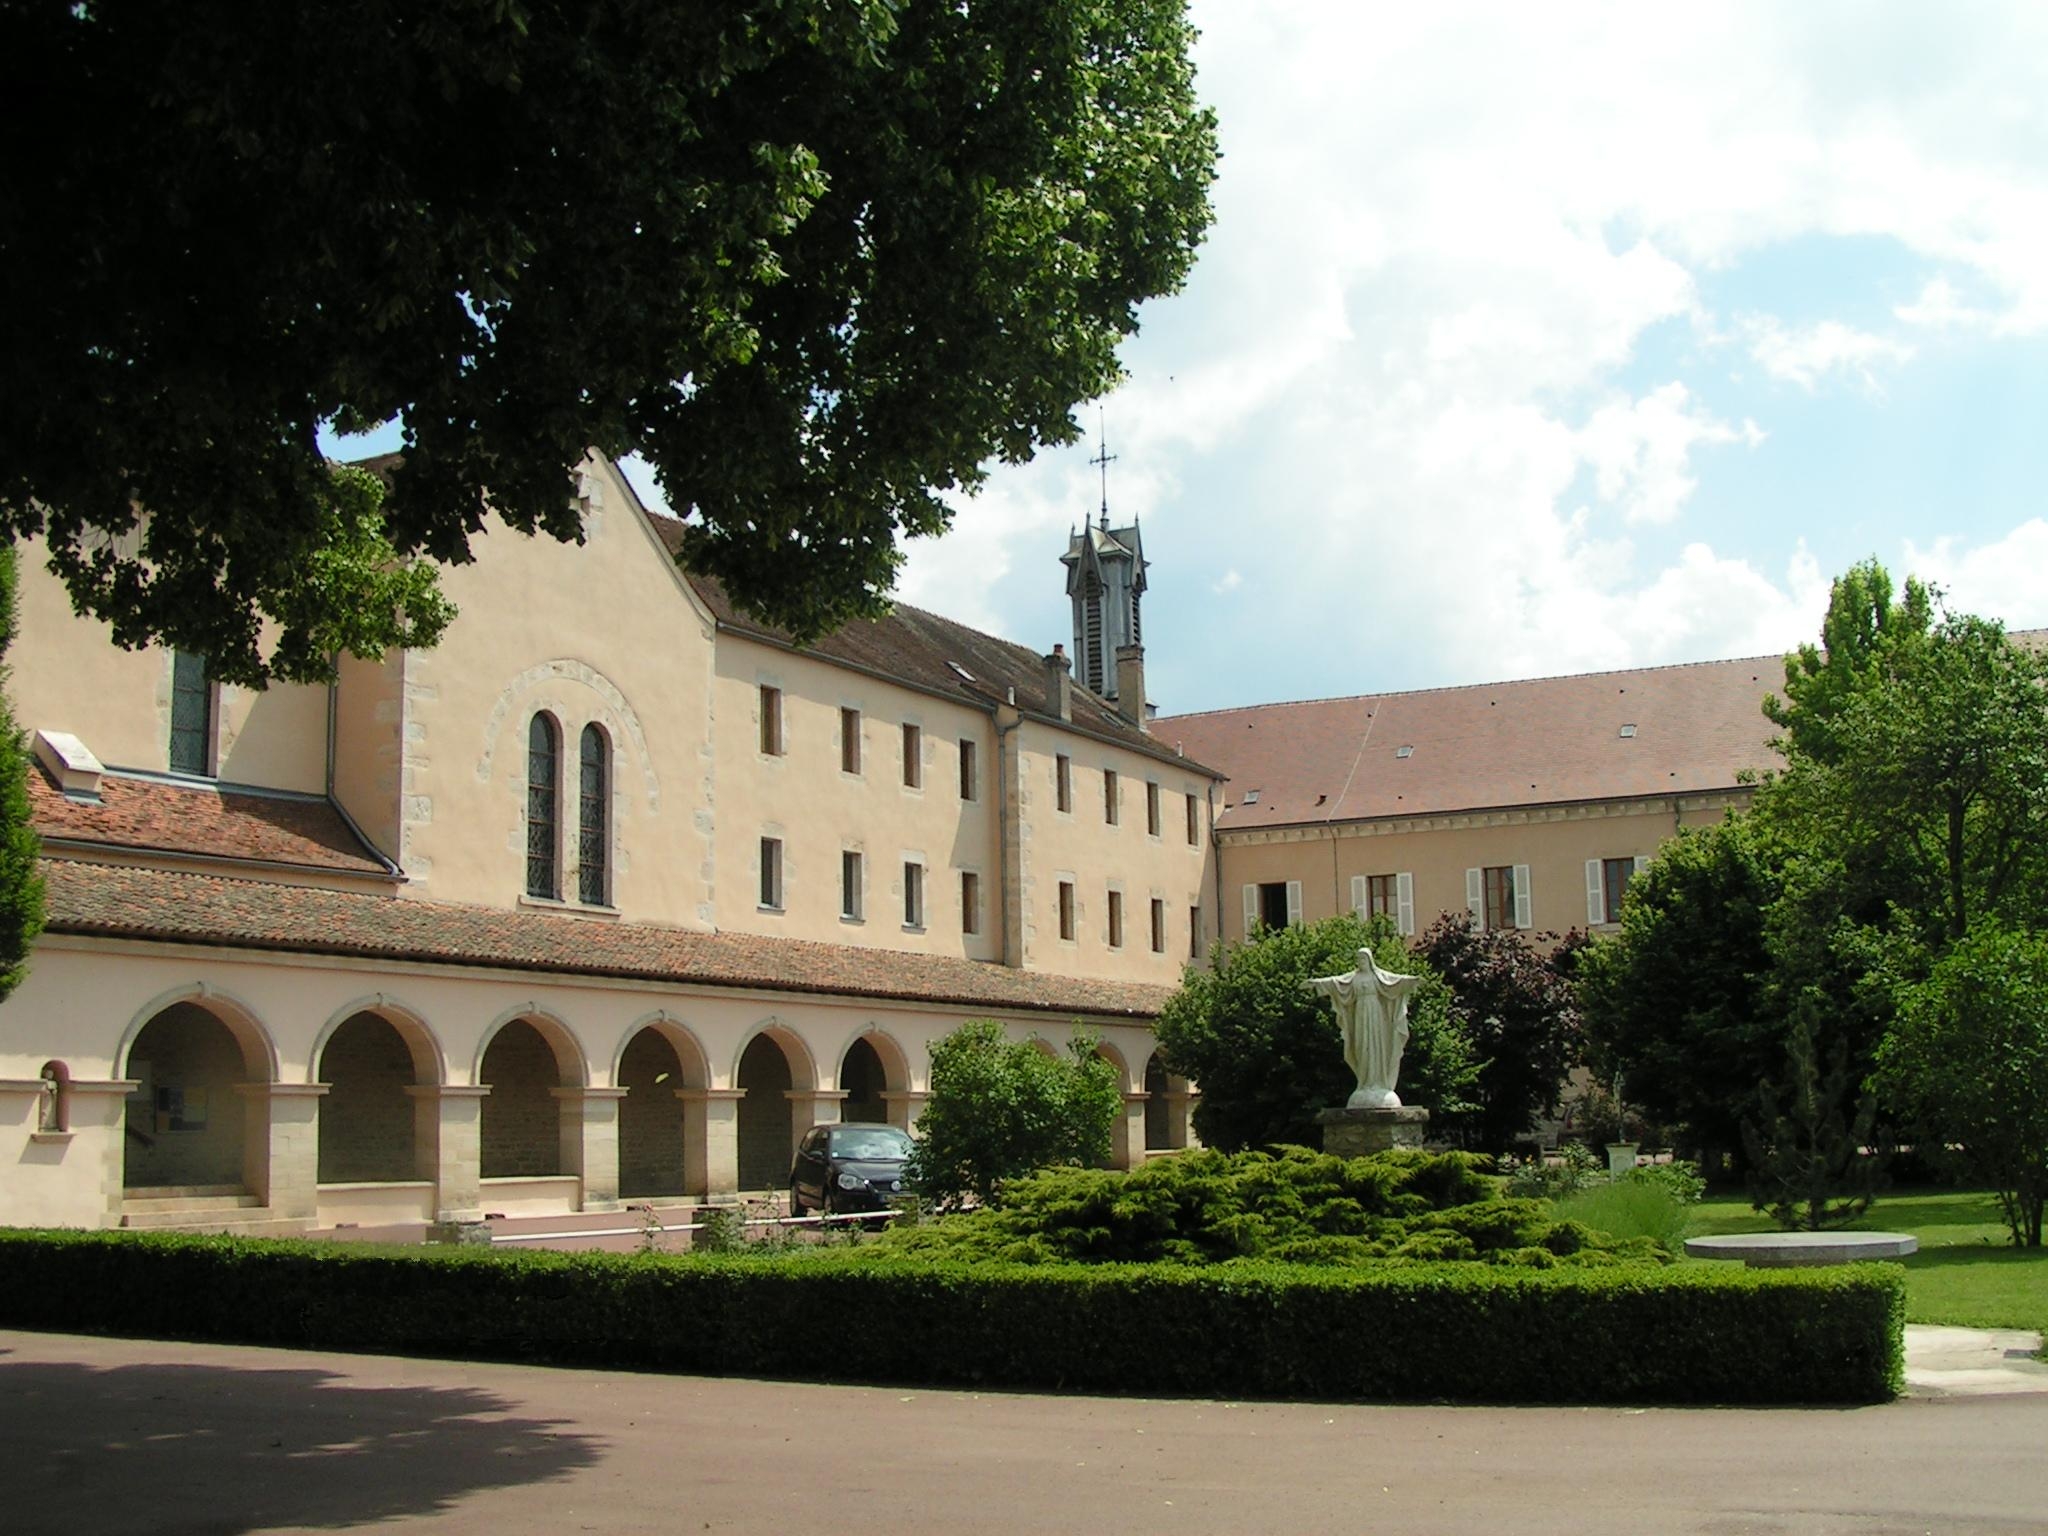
column 883, row 1142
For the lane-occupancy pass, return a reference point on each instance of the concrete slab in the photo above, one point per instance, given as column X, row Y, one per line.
column 1972, row 1362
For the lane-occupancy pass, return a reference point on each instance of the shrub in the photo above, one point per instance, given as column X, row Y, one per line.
column 1537, row 1178
column 1631, row 1207
column 1210, row 1207
column 1494, row 1333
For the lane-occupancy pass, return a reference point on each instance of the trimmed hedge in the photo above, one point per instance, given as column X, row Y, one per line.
column 1448, row 1332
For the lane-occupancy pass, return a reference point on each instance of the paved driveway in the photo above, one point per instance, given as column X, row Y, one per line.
column 112, row 1436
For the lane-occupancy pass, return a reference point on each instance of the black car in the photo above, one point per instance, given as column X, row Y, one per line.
column 847, row 1168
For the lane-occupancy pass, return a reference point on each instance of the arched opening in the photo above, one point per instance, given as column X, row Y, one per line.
column 765, row 1125
column 650, row 1117
column 186, row 1126
column 521, row 1130
column 1119, row 1155
column 865, row 1079
column 366, row 1119
column 1158, row 1112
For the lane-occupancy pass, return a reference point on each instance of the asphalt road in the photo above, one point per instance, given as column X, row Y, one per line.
column 112, row 1436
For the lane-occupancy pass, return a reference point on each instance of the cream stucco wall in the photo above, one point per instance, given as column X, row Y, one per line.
column 605, row 633
column 68, row 676
column 804, row 797
column 1553, row 841
column 1080, row 845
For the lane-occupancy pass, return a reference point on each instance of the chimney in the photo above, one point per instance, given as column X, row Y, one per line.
column 1059, row 683
column 1130, row 684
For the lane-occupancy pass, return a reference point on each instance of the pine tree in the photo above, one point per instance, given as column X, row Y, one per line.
column 21, row 888
column 1809, row 1170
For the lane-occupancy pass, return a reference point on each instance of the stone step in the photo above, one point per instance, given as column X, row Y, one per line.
column 187, row 1193
column 154, row 1204
column 239, row 1221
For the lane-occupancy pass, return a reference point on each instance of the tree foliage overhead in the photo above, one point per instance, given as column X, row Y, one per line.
column 1869, row 635
column 1520, row 1011
column 819, row 261
column 1267, row 1053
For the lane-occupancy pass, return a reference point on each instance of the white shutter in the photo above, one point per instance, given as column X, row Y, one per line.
column 1294, row 903
column 1475, row 896
column 1251, row 909
column 1596, row 892
column 1522, row 897
column 1642, row 862
column 1358, row 896
column 1404, row 902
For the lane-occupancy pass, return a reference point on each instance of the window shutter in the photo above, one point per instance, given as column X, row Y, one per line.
column 1251, row 909
column 1475, row 896
column 1294, row 903
column 1358, row 895
column 1404, row 902
column 1596, row 892
column 1522, row 897
column 1642, row 862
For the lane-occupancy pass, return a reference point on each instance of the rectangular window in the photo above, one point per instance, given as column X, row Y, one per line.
column 1109, row 796
column 1158, row 926
column 191, row 715
column 850, row 885
column 913, row 894
column 1606, row 881
column 970, row 901
column 1152, row 809
column 1194, row 822
column 1116, row 919
column 1067, row 910
column 970, row 772
column 1500, row 896
column 1063, row 782
column 849, row 741
column 1194, row 933
column 1381, row 897
column 771, row 873
column 1273, row 904
column 771, row 721
column 913, row 756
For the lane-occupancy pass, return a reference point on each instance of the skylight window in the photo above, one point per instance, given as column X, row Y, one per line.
column 1404, row 751
column 1628, row 730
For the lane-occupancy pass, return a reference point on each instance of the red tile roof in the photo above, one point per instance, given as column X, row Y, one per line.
column 206, row 821
column 130, row 902
column 923, row 648
column 1542, row 741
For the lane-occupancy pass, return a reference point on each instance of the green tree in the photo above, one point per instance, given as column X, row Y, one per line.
column 1807, row 1165
column 1001, row 1108
column 21, row 888
column 820, row 261
column 1679, row 1002
column 1868, row 635
column 1519, row 1010
column 1266, row 1051
column 1967, row 1057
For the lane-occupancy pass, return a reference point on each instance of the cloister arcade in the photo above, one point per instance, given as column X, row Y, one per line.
column 377, row 1121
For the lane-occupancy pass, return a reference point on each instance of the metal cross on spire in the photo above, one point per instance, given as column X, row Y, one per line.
column 1103, row 459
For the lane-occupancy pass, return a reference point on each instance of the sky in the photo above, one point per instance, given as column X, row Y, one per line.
column 1534, row 339
column 1543, row 339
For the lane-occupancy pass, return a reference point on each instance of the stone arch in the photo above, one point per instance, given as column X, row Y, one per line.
column 773, row 1062
column 657, row 1057
column 1115, row 1058
column 871, row 1066
column 524, row 1058
column 190, row 1123
column 1158, row 1111
column 429, row 1060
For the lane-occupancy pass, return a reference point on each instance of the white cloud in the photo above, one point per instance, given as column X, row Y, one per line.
column 1641, row 450
column 1941, row 308
column 1804, row 355
column 2005, row 579
column 1229, row 581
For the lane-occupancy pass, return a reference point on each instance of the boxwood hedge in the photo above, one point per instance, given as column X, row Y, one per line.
column 1466, row 1332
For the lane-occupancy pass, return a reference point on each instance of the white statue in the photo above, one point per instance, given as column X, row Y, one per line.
column 1372, row 1011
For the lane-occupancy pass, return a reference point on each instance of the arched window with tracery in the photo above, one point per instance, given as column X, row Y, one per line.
column 543, row 787
column 593, row 821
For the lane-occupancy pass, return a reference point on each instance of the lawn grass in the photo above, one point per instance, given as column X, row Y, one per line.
column 1967, row 1273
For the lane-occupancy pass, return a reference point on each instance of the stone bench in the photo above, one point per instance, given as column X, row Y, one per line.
column 1780, row 1250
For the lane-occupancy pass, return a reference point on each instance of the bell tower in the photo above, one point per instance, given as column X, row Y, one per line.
column 1106, row 585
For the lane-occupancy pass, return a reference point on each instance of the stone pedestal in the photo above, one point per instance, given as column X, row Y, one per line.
column 1362, row 1132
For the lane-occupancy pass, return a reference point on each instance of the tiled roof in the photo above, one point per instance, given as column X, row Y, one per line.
column 130, row 902
column 207, row 821
column 1542, row 741
column 923, row 648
